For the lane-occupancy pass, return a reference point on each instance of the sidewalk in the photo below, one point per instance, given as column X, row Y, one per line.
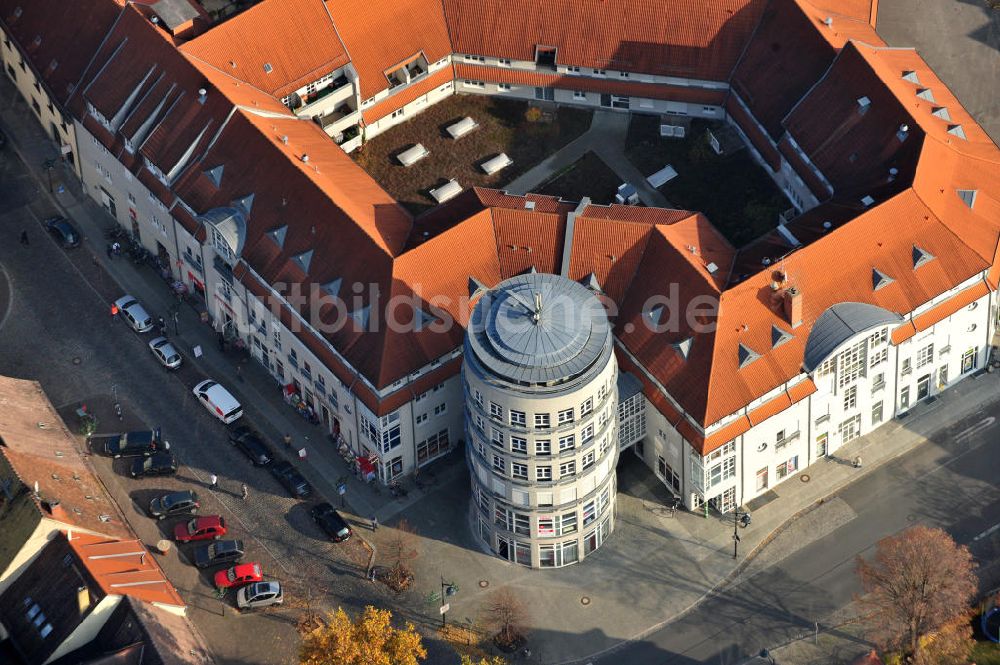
column 654, row 568
column 605, row 137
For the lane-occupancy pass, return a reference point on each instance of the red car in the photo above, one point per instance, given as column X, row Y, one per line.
column 238, row 575
column 208, row 527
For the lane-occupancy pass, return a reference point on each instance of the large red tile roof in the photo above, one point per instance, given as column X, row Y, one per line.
column 381, row 35
column 246, row 46
column 691, row 40
column 41, row 450
column 57, row 46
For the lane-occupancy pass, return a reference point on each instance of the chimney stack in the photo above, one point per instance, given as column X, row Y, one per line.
column 793, row 306
column 202, row 95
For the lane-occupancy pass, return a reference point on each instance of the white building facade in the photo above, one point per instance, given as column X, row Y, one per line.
column 541, row 399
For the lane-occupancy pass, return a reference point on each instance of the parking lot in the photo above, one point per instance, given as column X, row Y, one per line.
column 58, row 330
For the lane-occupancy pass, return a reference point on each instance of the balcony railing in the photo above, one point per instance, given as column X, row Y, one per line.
column 336, row 115
column 878, row 386
column 788, row 438
column 335, row 85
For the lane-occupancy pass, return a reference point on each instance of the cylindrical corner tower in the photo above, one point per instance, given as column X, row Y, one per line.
column 541, row 420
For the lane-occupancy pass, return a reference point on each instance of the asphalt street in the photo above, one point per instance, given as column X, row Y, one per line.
column 57, row 329
column 949, row 482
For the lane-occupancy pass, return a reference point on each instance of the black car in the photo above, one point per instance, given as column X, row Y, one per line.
column 252, row 445
column 63, row 231
column 175, row 503
column 331, row 522
column 293, row 481
column 217, row 553
column 157, row 464
column 130, row 444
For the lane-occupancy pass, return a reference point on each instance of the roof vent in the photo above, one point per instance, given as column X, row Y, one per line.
column 911, row 76
column 779, row 336
column 655, row 314
column 746, row 355
column 956, row 130
column 475, row 287
column 268, row 68
column 893, row 172
column 920, row 257
column 903, row 133
column 683, row 347
column 37, row 41
column 926, row 94
column 863, row 105
column 17, row 12
column 941, row 112
column 828, row 21
column 333, row 287
column 591, row 282
column 712, row 268
column 867, row 200
column 284, row 139
column 880, row 279
column 303, row 260
column 529, row 205
column 305, row 158
column 155, row 20
column 766, row 261
column 202, row 95
column 827, row 226
column 215, row 174
column 968, row 197
column 278, row 235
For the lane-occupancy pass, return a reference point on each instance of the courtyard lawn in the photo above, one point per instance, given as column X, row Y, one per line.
column 503, row 127
column 985, row 653
column 733, row 191
column 588, row 176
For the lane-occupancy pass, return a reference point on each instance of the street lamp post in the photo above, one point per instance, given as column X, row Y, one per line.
column 447, row 589
column 739, row 517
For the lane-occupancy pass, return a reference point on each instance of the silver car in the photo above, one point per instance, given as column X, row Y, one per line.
column 259, row 594
column 134, row 314
column 165, row 352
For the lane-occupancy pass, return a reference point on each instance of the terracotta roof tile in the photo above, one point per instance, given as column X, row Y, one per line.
column 941, row 312
column 676, row 93
column 610, row 249
column 294, row 39
column 125, row 568
column 724, row 435
column 402, row 97
column 41, row 450
column 65, row 46
column 381, row 35
column 527, row 239
column 693, row 40
column 770, row 408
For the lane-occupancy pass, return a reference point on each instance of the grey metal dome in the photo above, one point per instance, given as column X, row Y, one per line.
column 539, row 329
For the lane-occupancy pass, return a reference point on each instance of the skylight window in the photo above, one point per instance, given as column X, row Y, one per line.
column 920, row 257
column 968, row 196
column 779, row 336
column 746, row 355
column 956, row 130
column 303, row 260
column 880, row 279
column 683, row 347
column 268, row 68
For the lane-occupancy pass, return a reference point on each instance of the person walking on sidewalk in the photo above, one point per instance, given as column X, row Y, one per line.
column 288, row 441
column 374, row 523
column 857, row 462
column 213, row 482
column 24, row 238
column 245, row 491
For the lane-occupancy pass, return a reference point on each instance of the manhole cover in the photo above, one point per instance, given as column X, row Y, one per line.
column 585, row 600
column 77, row 360
column 805, row 478
column 483, row 584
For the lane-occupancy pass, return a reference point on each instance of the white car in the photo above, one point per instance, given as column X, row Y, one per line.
column 134, row 314
column 259, row 594
column 219, row 401
column 165, row 352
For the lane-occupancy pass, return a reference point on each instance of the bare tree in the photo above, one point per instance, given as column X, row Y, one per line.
column 400, row 549
column 507, row 614
column 917, row 582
